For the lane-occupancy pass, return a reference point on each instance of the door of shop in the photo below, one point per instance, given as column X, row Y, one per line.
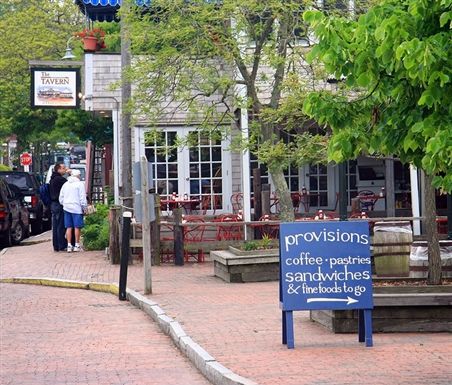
column 189, row 163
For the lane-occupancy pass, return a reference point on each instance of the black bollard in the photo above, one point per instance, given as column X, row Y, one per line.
column 125, row 251
column 178, row 238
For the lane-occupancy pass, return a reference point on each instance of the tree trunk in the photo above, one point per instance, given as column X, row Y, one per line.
column 285, row 200
column 434, row 256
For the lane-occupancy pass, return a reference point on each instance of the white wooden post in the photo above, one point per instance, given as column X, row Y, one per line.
column 146, row 233
column 415, row 205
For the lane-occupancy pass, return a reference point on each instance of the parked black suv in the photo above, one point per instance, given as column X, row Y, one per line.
column 14, row 225
column 40, row 215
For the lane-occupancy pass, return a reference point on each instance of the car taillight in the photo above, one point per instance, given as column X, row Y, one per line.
column 3, row 213
column 34, row 201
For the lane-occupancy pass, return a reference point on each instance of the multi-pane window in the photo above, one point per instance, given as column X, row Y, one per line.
column 188, row 163
column 292, row 178
column 205, row 166
column 318, row 185
column 163, row 155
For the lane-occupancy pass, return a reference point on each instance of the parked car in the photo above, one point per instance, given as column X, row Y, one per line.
column 14, row 216
column 39, row 214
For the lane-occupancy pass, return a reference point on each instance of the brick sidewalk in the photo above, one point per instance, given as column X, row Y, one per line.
column 87, row 338
column 240, row 325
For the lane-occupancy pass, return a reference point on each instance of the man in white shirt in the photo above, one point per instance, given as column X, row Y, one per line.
column 73, row 199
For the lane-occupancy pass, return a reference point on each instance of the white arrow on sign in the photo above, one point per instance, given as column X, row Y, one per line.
column 349, row 300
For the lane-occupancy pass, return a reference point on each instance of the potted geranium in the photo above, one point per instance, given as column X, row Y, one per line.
column 93, row 39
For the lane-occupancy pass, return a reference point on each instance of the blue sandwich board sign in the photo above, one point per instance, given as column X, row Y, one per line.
column 326, row 265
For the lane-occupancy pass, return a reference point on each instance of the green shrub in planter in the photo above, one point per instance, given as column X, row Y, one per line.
column 96, row 232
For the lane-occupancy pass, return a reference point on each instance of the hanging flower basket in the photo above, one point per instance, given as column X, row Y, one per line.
column 90, row 43
column 93, row 39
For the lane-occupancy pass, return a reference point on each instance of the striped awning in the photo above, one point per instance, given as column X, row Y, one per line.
column 104, row 10
column 111, row 3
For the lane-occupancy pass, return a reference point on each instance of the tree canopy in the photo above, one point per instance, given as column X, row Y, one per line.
column 39, row 30
column 31, row 30
column 210, row 58
column 394, row 68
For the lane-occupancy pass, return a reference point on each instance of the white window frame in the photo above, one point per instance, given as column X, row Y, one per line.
column 183, row 162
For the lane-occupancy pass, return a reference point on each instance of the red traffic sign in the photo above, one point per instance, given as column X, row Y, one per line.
column 25, row 159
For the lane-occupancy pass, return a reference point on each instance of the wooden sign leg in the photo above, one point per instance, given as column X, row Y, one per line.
column 287, row 323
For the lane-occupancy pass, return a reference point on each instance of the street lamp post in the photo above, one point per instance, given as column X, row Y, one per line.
column 68, row 55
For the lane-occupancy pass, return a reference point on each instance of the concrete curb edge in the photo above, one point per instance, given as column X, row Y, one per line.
column 204, row 362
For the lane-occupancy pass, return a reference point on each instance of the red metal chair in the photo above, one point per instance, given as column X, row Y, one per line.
column 194, row 233
column 266, row 229
column 441, row 225
column 362, row 215
column 296, row 200
column 237, row 202
column 207, row 203
column 233, row 232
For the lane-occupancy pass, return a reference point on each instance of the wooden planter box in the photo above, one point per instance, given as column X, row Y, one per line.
column 235, row 265
column 397, row 309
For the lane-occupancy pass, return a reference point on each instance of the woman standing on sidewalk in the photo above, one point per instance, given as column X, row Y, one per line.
column 73, row 199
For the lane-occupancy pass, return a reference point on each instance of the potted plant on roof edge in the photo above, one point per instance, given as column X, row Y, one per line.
column 93, row 39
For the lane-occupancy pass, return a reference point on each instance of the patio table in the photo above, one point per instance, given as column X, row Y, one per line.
column 187, row 204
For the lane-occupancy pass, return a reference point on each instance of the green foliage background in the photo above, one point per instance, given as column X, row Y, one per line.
column 396, row 60
column 96, row 232
column 39, row 30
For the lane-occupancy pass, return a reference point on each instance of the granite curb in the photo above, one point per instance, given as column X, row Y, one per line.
column 216, row 373
column 37, row 239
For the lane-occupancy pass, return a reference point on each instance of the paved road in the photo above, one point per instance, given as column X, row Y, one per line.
column 53, row 336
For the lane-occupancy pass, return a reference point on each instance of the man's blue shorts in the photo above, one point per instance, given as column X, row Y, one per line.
column 73, row 220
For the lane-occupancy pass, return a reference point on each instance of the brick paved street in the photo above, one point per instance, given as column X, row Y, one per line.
column 53, row 336
column 240, row 325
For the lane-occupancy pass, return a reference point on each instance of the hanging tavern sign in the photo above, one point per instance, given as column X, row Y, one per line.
column 55, row 87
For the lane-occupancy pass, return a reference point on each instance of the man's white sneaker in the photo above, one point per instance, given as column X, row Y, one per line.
column 78, row 248
column 70, row 249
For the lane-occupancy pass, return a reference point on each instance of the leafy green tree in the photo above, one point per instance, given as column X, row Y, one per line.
column 396, row 66
column 112, row 35
column 86, row 126
column 198, row 55
column 31, row 30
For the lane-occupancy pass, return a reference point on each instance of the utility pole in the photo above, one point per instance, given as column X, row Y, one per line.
column 125, row 182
